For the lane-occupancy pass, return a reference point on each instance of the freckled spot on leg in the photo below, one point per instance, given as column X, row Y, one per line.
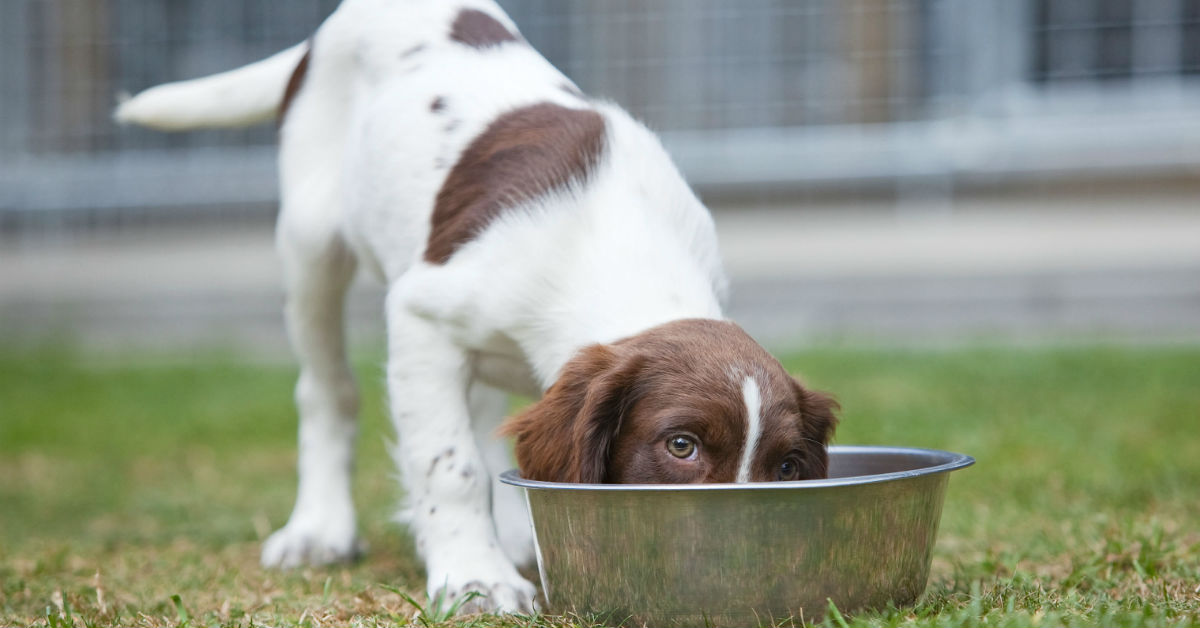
column 448, row 454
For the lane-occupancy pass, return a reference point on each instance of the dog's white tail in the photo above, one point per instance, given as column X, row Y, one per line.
column 241, row 97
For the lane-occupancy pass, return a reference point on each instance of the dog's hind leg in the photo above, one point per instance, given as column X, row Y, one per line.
column 488, row 409
column 318, row 267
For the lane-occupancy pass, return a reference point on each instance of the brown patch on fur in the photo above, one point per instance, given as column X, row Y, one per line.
column 479, row 30
column 614, row 407
column 293, row 85
column 523, row 155
column 567, row 435
column 438, row 105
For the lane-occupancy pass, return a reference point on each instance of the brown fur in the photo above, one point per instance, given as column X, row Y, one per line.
column 479, row 30
column 295, row 81
column 613, row 408
column 524, row 154
column 591, row 395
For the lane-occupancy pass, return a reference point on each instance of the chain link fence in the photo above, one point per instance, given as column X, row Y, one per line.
column 763, row 94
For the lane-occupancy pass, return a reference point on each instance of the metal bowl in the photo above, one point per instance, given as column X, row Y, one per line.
column 742, row 554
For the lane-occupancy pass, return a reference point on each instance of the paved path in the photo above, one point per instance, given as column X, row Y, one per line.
column 1074, row 270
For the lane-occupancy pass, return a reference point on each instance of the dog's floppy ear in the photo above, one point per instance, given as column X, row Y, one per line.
column 818, row 419
column 568, row 434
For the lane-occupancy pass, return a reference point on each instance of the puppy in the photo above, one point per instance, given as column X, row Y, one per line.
column 531, row 239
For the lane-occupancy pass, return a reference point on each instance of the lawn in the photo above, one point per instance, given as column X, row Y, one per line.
column 136, row 491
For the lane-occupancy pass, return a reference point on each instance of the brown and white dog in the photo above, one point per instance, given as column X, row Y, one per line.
column 532, row 239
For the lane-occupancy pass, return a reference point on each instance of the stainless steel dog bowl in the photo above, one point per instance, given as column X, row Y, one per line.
column 742, row 554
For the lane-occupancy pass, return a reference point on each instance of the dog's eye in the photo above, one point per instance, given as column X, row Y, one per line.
column 789, row 469
column 681, row 446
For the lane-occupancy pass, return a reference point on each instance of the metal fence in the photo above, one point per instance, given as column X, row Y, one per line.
column 747, row 94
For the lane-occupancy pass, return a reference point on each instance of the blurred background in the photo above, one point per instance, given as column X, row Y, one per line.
column 881, row 171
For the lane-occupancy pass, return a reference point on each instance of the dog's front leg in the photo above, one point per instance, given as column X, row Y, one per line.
column 443, row 470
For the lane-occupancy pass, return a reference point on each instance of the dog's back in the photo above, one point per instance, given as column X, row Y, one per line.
column 407, row 86
column 432, row 126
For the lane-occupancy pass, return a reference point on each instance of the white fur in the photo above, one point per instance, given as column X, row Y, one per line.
column 753, row 400
column 361, row 159
column 247, row 95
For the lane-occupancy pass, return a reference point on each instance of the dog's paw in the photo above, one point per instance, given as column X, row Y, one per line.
column 515, row 595
column 298, row 544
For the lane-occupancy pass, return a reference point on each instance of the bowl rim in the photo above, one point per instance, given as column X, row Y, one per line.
column 947, row 461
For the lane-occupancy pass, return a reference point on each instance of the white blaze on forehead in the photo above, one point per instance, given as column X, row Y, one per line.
column 753, row 399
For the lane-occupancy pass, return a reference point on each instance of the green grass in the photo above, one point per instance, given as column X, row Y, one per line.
column 137, row 491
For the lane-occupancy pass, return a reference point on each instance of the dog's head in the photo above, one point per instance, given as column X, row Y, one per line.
column 686, row 402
